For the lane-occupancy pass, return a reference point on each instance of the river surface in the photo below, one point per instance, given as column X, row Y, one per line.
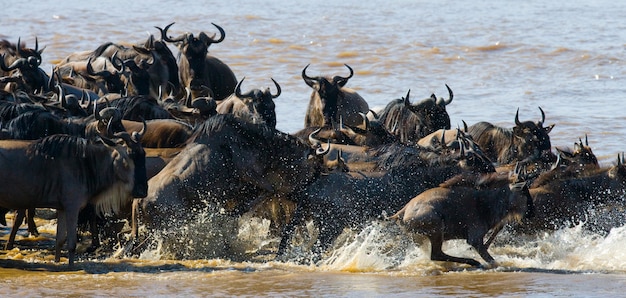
column 567, row 57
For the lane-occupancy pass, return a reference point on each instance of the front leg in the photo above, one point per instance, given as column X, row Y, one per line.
column 61, row 234
column 437, row 254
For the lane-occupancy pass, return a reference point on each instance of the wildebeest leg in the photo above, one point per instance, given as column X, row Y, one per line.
column 437, row 254
column 476, row 240
column 134, row 218
column 71, row 221
column 296, row 219
column 30, row 219
column 494, row 233
column 17, row 222
column 61, row 233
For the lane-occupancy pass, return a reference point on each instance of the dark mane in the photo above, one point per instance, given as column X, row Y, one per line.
column 482, row 181
column 37, row 124
column 59, row 146
column 86, row 156
column 133, row 107
column 100, row 50
column 501, row 148
column 401, row 121
column 393, row 155
column 10, row 110
column 242, row 132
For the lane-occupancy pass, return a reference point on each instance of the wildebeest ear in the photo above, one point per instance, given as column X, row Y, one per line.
column 548, row 129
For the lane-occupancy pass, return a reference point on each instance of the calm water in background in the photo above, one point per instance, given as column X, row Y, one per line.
column 497, row 56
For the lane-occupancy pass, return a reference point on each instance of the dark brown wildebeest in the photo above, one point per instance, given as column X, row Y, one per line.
column 137, row 108
column 526, row 140
column 66, row 172
column 254, row 104
column 569, row 196
column 371, row 133
column 161, row 133
column 411, row 122
column 467, row 211
column 194, row 111
column 227, row 163
column 339, row 200
column 198, row 70
column 331, row 101
column 154, row 70
column 23, row 69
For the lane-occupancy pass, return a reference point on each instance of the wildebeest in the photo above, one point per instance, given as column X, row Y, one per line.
column 138, row 108
column 199, row 71
column 569, row 195
column 340, row 199
column 66, row 172
column 331, row 100
column 411, row 122
column 467, row 212
column 508, row 145
column 161, row 133
column 253, row 104
column 23, row 69
column 154, row 70
column 227, row 163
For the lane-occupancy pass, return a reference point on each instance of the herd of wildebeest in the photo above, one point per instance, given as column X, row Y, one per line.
column 133, row 133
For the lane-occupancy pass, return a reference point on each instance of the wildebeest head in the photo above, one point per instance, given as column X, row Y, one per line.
column 194, row 50
column 581, row 156
column 530, row 138
column 26, row 61
column 432, row 110
column 132, row 147
column 111, row 77
column 411, row 122
column 328, row 91
column 260, row 102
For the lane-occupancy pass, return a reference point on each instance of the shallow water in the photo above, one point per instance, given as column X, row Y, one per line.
column 565, row 56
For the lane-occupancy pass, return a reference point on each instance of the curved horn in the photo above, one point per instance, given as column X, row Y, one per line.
column 517, row 118
column 138, row 135
column 61, row 95
column 543, row 117
column 18, row 63
column 37, row 47
column 315, row 142
column 407, row 102
column 309, row 80
column 278, row 91
column 445, row 102
column 222, row 34
column 343, row 80
column 374, row 114
column 19, row 48
column 366, row 121
column 586, row 141
column 118, row 63
column 96, row 115
column 168, row 39
column 465, row 129
column 238, row 89
column 91, row 72
column 321, row 151
column 188, row 97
